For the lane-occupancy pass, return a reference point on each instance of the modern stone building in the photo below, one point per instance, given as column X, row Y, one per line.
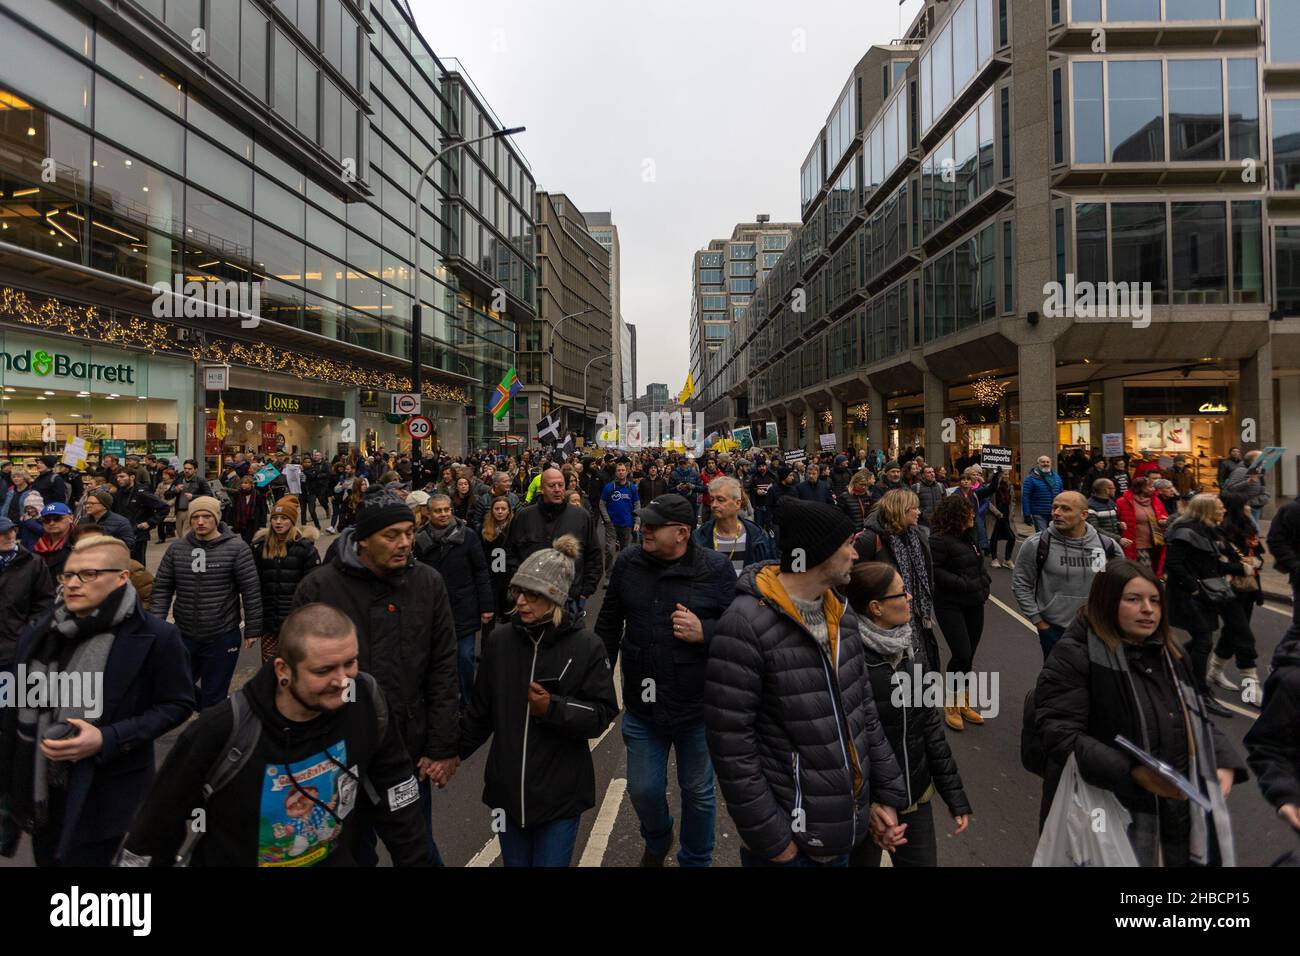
column 605, row 230
column 1005, row 145
column 572, row 277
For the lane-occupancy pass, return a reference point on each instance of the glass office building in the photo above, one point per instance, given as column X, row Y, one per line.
column 946, row 199
column 274, row 145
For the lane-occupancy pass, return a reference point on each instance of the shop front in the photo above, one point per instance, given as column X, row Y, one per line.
column 1073, row 421
column 1191, row 421
column 53, row 389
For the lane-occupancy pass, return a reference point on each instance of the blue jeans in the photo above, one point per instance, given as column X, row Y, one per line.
column 465, row 665
column 1040, row 521
column 212, row 665
column 1047, row 639
column 647, row 785
column 368, row 841
column 748, row 859
column 550, row 844
column 982, row 533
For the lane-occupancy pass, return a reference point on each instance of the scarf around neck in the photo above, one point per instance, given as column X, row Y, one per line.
column 892, row 644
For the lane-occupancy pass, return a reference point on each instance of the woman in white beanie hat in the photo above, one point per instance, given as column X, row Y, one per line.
column 543, row 689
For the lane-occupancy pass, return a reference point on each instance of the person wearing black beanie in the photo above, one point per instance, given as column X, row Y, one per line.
column 810, row 533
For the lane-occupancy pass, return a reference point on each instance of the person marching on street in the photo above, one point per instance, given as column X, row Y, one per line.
column 284, row 553
column 961, row 590
column 742, row 541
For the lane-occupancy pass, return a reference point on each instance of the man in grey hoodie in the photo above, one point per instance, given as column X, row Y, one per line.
column 1051, row 591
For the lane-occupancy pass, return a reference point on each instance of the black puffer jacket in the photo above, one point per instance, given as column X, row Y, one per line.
column 857, row 507
column 793, row 731
column 407, row 641
column 539, row 769
column 26, row 593
column 915, row 734
column 1273, row 741
column 280, row 576
column 539, row 524
column 207, row 600
column 959, row 575
column 459, row 558
column 1195, row 551
column 636, row 616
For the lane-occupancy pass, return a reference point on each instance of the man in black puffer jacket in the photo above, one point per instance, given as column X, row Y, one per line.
column 792, row 726
column 208, row 572
column 665, row 598
column 1273, row 741
column 406, row 639
column 452, row 548
column 548, row 518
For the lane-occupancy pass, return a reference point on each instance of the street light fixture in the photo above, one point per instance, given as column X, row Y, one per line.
column 555, row 330
column 417, row 329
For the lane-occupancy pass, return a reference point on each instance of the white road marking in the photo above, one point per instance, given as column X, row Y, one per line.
column 1025, row 621
column 1285, row 612
column 594, row 852
column 488, row 855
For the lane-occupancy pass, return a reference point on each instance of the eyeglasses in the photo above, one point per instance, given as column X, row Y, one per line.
column 87, row 575
column 532, row 597
column 894, row 597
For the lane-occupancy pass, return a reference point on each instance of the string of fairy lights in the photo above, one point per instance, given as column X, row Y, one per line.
column 133, row 331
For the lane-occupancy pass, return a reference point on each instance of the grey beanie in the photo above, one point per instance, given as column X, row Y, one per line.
column 549, row 572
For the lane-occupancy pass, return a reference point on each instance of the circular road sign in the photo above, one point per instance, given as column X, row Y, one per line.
column 407, row 404
column 419, row 427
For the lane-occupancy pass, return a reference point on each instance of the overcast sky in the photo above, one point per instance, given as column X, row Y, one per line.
column 715, row 103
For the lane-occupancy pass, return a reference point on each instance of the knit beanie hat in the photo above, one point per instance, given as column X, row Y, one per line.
column 34, row 500
column 104, row 497
column 206, row 503
column 287, row 506
column 814, row 529
column 891, row 465
column 550, row 571
column 382, row 514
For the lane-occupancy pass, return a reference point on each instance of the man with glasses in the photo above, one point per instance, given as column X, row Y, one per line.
column 73, row 771
column 664, row 599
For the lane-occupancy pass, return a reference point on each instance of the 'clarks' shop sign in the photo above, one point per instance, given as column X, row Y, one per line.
column 44, row 364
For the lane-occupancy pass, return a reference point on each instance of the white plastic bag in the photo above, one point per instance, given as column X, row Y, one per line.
column 1087, row 826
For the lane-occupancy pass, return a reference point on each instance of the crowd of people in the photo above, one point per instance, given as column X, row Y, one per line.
column 762, row 614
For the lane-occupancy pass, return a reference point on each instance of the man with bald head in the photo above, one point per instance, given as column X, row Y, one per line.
column 549, row 516
column 1055, row 567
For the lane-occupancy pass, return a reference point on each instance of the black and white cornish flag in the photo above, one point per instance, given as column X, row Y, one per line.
column 548, row 429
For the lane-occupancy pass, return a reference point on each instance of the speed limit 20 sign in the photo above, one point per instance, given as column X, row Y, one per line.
column 419, row 427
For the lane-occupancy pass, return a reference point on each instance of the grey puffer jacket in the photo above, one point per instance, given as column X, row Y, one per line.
column 207, row 600
column 793, row 729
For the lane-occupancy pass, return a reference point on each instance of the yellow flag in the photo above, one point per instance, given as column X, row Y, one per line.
column 688, row 390
column 221, row 419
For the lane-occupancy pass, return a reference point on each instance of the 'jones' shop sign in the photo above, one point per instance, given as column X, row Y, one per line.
column 278, row 403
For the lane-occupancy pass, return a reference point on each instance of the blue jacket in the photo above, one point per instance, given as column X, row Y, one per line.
column 758, row 546
column 1037, row 494
column 118, row 527
column 147, row 691
column 621, row 503
column 807, row 491
column 636, row 615
column 688, row 476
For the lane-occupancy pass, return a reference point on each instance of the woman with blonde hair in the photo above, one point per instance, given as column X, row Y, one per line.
column 284, row 554
column 893, row 534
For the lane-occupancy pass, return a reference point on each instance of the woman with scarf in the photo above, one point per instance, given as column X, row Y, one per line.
column 284, row 554
column 856, row 501
column 893, row 534
column 1198, row 565
column 914, row 731
column 1118, row 672
column 71, row 776
column 248, row 510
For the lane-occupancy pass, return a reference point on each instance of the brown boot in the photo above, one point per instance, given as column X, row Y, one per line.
column 952, row 717
column 964, row 709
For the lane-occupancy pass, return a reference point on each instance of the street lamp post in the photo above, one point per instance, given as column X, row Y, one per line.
column 555, row 330
column 417, row 329
column 603, row 355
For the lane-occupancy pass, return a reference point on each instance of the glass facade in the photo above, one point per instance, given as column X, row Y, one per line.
column 957, row 53
column 159, row 179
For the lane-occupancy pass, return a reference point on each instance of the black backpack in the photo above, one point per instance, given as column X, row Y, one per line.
column 245, row 732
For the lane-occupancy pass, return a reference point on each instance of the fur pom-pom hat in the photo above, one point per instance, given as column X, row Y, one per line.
column 549, row 572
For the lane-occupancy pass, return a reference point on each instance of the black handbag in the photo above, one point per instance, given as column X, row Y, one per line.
column 1218, row 591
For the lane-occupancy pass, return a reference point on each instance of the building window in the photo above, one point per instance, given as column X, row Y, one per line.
column 1200, row 253
column 1286, row 267
column 1129, row 10
column 1090, row 245
column 1196, row 110
column 1138, row 244
column 1085, row 11
column 1006, row 127
column 1286, row 144
column 1137, row 128
column 1002, row 23
column 1089, row 139
column 1191, row 9
column 1060, row 246
column 1008, row 269
column 1243, row 109
column 1247, row 253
